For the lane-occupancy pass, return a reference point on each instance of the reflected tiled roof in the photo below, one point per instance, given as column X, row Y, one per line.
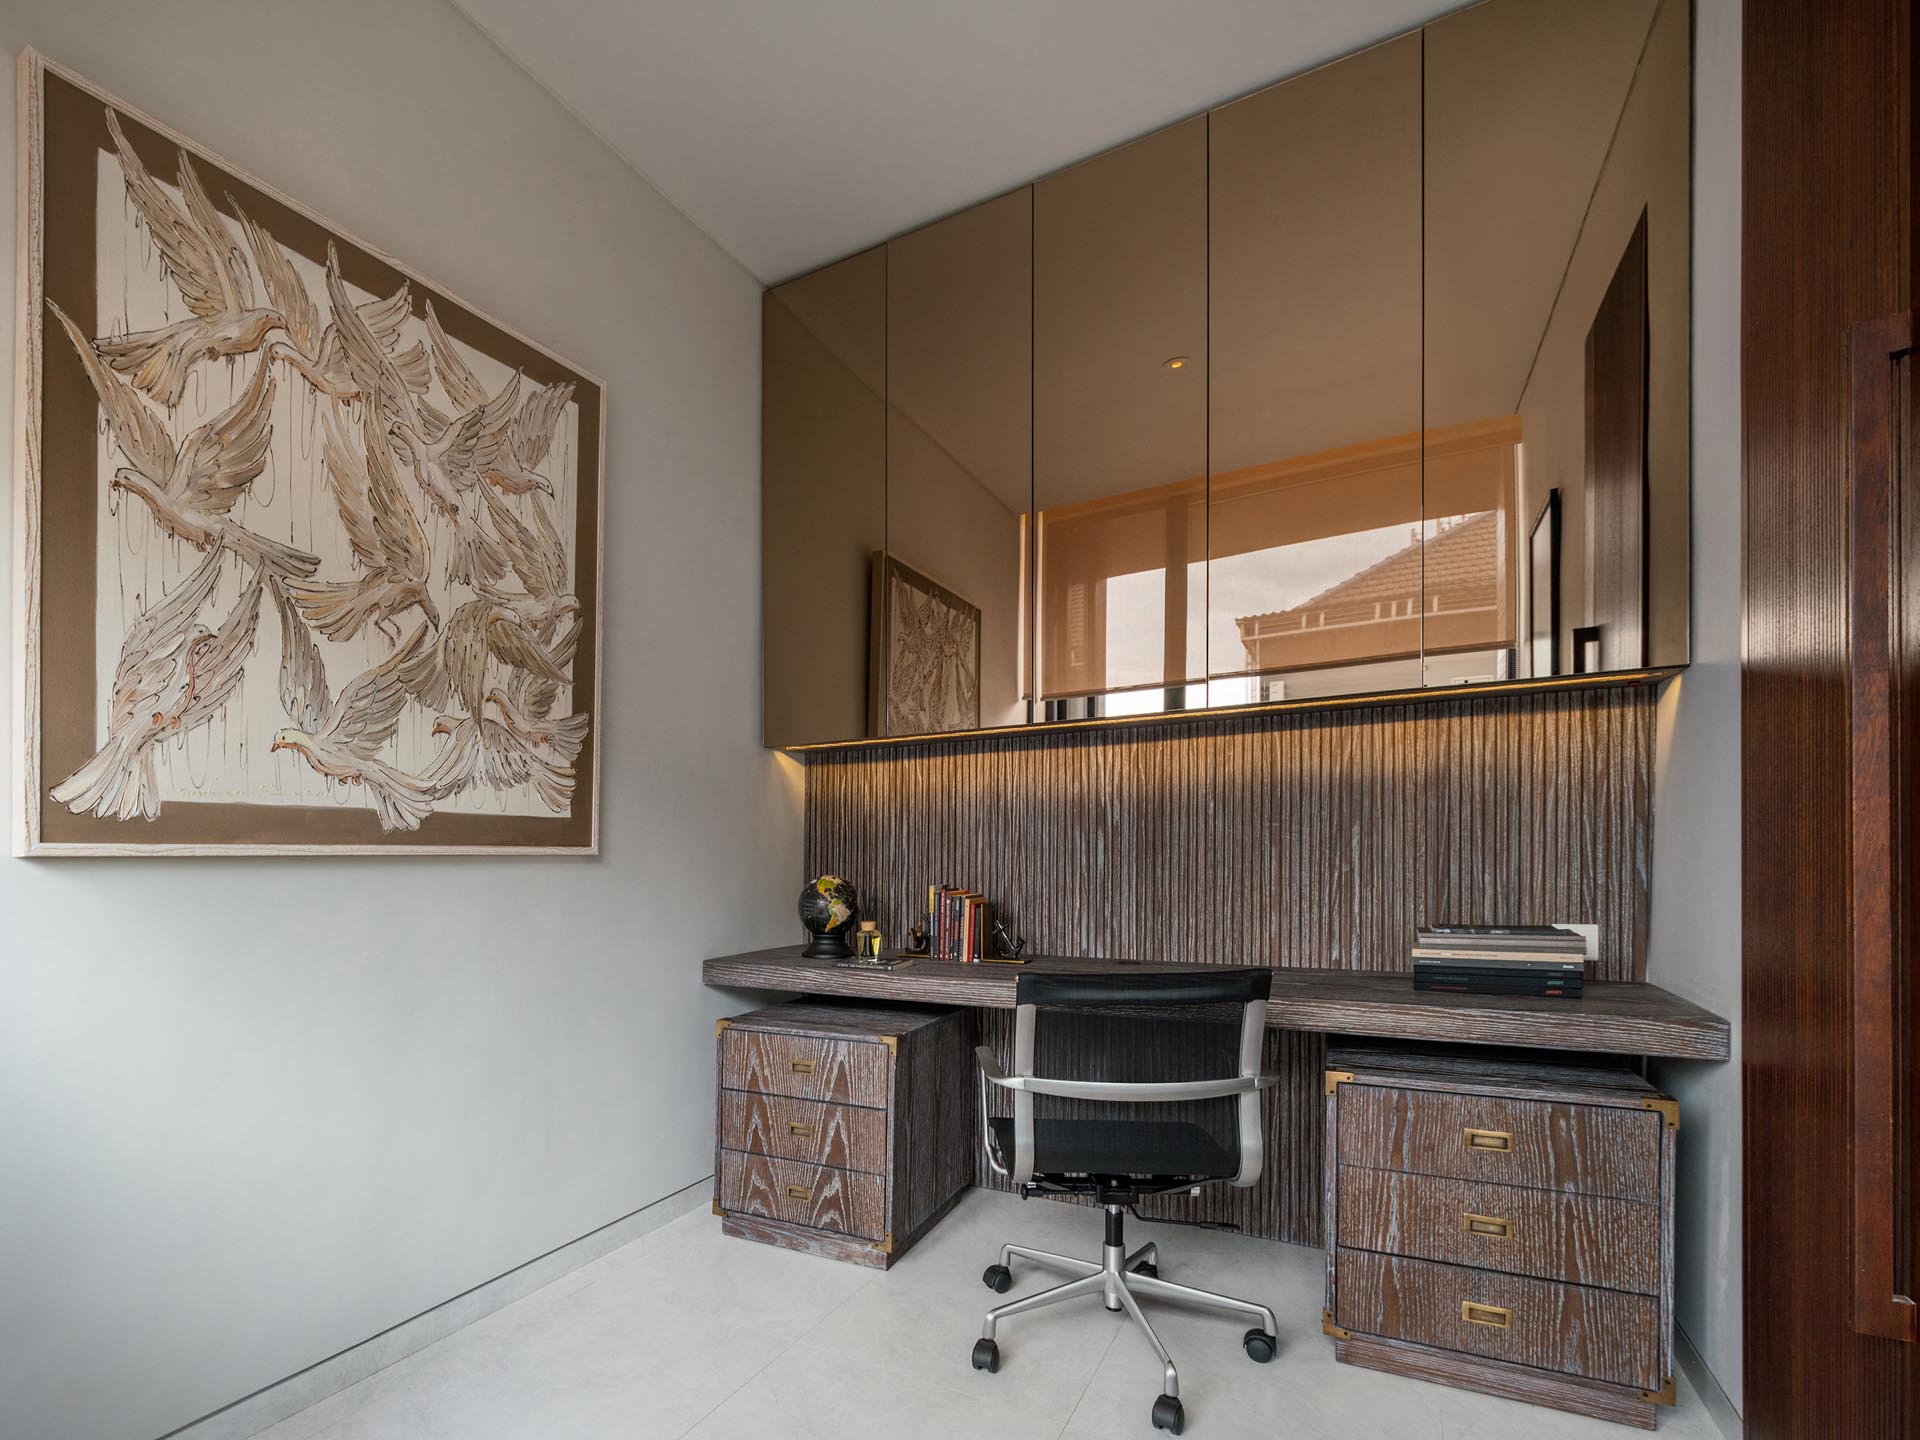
column 1462, row 569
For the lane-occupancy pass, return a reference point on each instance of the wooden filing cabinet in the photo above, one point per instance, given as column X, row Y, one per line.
column 840, row 1127
column 1503, row 1225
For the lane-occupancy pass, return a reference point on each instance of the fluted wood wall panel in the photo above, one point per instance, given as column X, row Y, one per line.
column 1295, row 839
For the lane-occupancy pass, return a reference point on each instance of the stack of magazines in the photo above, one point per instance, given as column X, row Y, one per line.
column 1500, row 960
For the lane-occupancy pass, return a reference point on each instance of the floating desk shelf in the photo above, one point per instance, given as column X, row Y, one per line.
column 1611, row 1017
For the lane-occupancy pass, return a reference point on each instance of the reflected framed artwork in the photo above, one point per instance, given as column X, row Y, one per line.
column 926, row 647
column 308, row 552
column 1543, row 589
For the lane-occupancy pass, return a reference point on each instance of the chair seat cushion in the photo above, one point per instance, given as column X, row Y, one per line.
column 1118, row 1147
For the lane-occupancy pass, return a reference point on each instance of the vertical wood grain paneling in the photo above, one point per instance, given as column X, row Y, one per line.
column 1296, row 839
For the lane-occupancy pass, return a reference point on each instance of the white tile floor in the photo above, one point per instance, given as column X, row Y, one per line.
column 685, row 1332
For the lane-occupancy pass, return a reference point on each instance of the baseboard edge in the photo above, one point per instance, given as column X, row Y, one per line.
column 273, row 1403
column 1707, row 1387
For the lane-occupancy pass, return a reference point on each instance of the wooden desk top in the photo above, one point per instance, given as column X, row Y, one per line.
column 1610, row 1017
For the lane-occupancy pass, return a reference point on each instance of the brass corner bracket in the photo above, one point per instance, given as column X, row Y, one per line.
column 1663, row 1396
column 1336, row 1078
column 1327, row 1327
column 720, row 1027
column 885, row 1246
column 892, row 1042
column 1668, row 1107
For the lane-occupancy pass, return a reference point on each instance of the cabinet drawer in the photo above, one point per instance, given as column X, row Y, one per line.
column 1567, row 1329
column 816, row 1195
column 1552, row 1235
column 1554, row 1145
column 846, row 1137
column 806, row 1067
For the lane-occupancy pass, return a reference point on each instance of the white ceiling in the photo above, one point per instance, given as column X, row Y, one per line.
column 798, row 131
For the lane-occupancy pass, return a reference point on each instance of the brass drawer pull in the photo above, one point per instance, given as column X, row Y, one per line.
column 800, row 1067
column 803, row 1132
column 1498, row 1316
column 799, row 1192
column 1489, row 1225
column 1487, row 1139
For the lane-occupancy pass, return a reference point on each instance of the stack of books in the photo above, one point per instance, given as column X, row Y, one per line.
column 1500, row 960
column 962, row 923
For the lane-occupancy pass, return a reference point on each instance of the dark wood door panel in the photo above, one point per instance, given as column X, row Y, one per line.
column 1827, row 227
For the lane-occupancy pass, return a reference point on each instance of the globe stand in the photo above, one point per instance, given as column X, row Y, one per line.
column 828, row 946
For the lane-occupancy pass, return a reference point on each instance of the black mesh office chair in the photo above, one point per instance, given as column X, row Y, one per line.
column 1127, row 1085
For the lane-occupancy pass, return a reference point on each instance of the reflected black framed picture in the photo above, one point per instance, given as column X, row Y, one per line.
column 1543, row 589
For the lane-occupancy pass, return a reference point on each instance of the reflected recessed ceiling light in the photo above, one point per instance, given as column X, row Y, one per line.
column 1177, row 362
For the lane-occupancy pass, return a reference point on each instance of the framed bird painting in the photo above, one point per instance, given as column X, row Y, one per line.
column 308, row 551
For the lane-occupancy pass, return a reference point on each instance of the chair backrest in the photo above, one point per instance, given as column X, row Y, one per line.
column 1202, row 1022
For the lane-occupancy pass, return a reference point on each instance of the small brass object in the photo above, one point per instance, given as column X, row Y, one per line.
column 1490, row 1225
column 795, row 1128
column 1486, row 1139
column 885, row 1246
column 1663, row 1396
column 1327, row 1327
column 799, row 1192
column 1498, row 1316
column 1670, row 1109
column 720, row 1027
column 892, row 1042
column 1337, row 1078
column 800, row 1067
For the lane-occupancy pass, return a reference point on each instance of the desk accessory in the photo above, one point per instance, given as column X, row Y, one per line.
column 1007, row 944
column 875, row 962
column 828, row 908
column 867, row 940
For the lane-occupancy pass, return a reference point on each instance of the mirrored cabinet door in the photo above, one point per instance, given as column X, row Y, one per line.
column 1558, row 230
column 1120, row 426
column 950, row 592
column 823, row 496
column 1315, row 478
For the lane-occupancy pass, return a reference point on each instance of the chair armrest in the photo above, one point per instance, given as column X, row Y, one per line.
column 1141, row 1092
column 990, row 1069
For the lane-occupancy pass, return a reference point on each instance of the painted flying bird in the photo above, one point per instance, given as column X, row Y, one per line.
column 201, row 257
column 315, row 350
column 479, row 633
column 563, row 735
column 437, row 449
column 173, row 675
column 453, row 452
column 342, row 739
column 385, row 535
column 529, row 430
column 485, row 754
column 191, row 489
column 539, row 561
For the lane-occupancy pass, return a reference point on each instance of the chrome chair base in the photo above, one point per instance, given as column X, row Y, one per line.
column 1121, row 1280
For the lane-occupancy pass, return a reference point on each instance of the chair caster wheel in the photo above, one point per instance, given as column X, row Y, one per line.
column 1168, row 1414
column 1259, row 1344
column 986, row 1356
column 1147, row 1268
column 997, row 1278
